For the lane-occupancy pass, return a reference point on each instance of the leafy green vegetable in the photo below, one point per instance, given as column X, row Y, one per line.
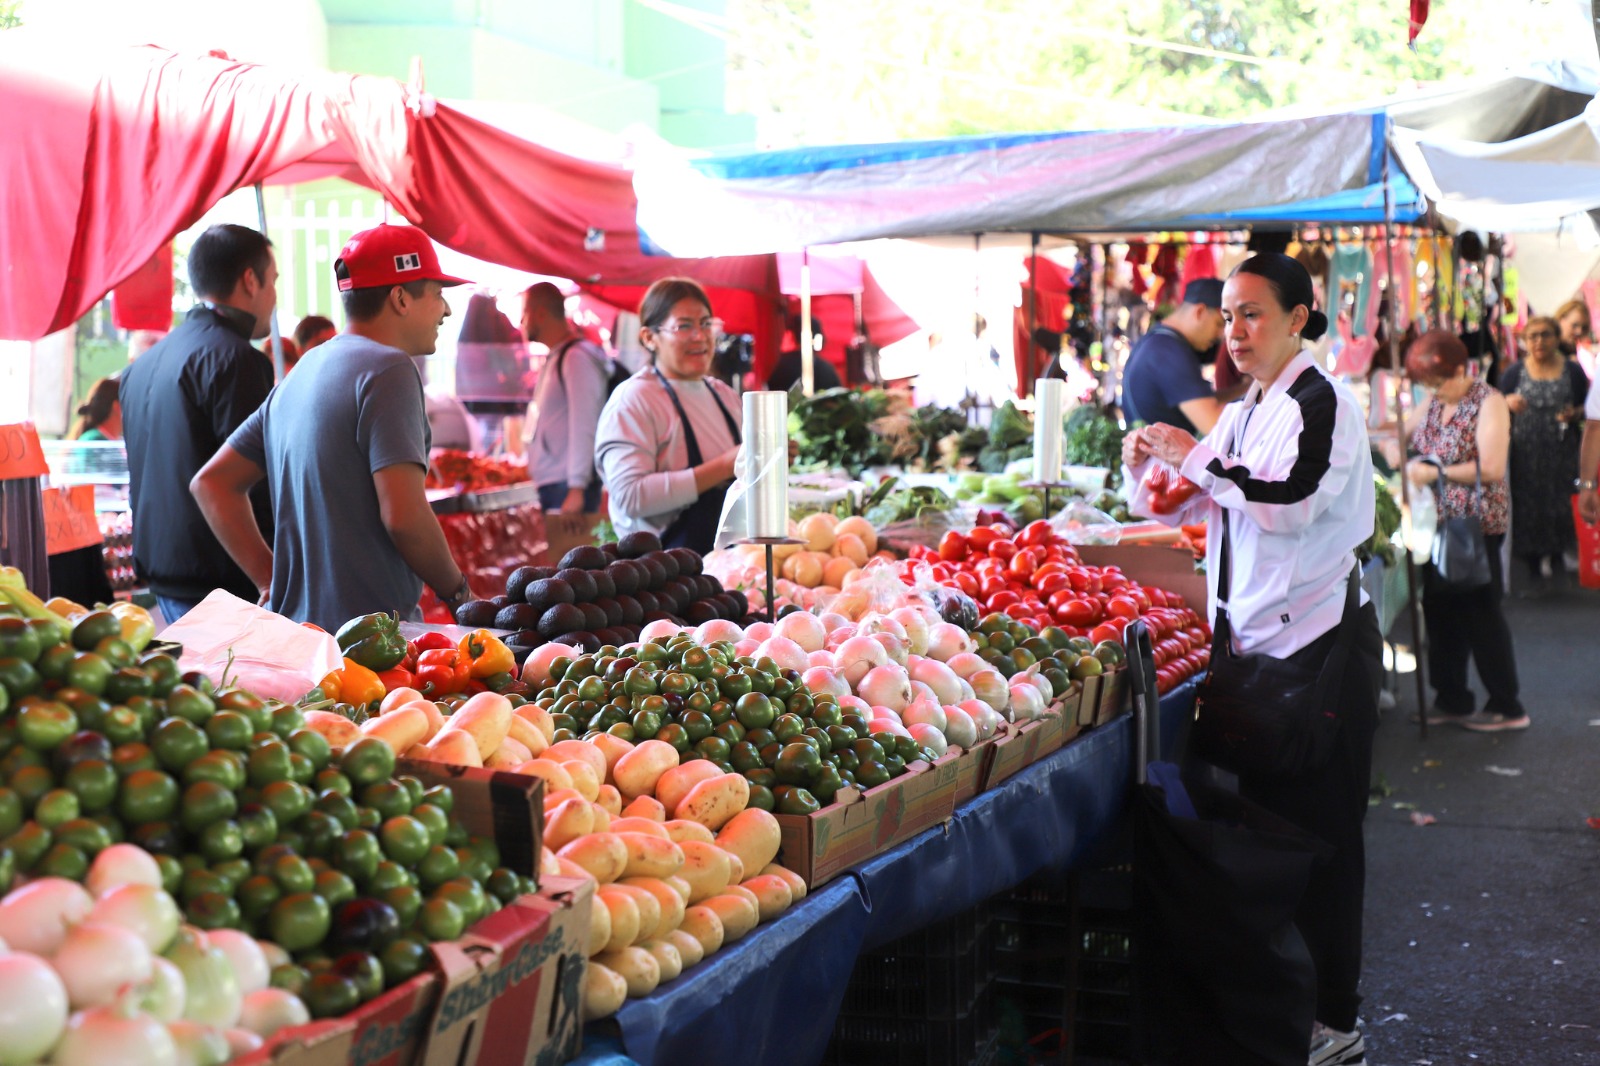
column 1093, row 439
column 1385, row 521
column 834, row 428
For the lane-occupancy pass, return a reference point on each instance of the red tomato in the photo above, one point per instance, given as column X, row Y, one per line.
column 980, row 539
column 953, row 546
column 1047, row 583
column 1003, row 549
column 1024, row 563
column 1060, row 597
column 1080, row 612
column 1022, row 612
column 941, row 572
column 1003, row 599
column 990, row 586
column 967, row 582
column 1106, row 631
column 1138, row 596
column 1113, row 582
column 1158, row 597
column 1036, row 533
column 1122, row 607
column 1056, row 553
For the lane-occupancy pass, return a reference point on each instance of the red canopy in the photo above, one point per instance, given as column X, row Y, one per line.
column 107, row 157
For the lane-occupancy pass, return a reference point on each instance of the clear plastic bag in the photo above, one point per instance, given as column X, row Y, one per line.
column 878, row 590
column 1081, row 524
column 1419, row 522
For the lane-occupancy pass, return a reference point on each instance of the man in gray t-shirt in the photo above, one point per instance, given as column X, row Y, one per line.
column 343, row 444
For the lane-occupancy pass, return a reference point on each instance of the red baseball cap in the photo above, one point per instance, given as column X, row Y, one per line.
column 389, row 255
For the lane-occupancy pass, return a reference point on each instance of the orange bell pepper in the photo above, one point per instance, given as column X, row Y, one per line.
column 353, row 683
column 487, row 653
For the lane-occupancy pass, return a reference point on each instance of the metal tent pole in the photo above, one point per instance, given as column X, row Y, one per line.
column 808, row 379
column 1033, row 309
column 277, row 339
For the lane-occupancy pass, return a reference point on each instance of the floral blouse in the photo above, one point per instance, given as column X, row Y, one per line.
column 1456, row 441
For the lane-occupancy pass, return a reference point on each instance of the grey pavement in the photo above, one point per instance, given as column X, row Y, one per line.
column 1482, row 941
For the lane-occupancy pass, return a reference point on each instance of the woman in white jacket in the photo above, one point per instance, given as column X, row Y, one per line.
column 1289, row 468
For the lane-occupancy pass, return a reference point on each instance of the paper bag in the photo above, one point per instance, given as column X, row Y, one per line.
column 272, row 657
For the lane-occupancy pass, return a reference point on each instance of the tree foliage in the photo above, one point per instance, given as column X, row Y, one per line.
column 820, row 71
column 10, row 14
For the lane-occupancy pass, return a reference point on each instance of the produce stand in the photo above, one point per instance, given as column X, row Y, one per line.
column 491, row 532
column 742, row 1003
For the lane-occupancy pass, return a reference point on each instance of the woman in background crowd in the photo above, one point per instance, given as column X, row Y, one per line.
column 100, row 414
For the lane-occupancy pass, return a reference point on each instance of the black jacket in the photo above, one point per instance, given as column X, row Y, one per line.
column 180, row 401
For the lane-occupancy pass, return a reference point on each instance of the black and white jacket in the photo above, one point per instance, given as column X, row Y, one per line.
column 1290, row 469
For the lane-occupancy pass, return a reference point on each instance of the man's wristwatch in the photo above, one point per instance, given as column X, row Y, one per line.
column 1586, row 484
column 460, row 595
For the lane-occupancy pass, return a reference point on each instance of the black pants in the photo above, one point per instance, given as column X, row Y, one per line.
column 1332, row 803
column 1465, row 626
column 553, row 495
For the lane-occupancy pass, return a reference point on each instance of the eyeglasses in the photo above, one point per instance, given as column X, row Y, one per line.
column 1539, row 334
column 710, row 326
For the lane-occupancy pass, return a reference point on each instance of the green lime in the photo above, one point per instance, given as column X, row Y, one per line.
column 258, row 825
column 63, row 860
column 286, row 719
column 368, row 761
column 56, row 806
column 402, row 960
column 330, row 779
column 171, row 873
column 504, row 885
column 321, row 832
column 94, row 783
column 229, row 730
column 341, row 808
column 29, row 843
column 222, row 840
column 407, row 901
column 437, row 821
column 466, row 894
column 441, row 919
column 358, row 853
column 299, row 921
column 293, row 874
column 205, row 802
column 147, row 796
column 441, row 797
column 330, row 995
column 177, row 742
column 234, row 871
column 336, row 887
column 438, row 865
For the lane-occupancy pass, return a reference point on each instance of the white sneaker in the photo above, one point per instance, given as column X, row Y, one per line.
column 1330, row 1047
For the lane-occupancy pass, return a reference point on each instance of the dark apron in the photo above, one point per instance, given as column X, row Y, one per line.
column 696, row 527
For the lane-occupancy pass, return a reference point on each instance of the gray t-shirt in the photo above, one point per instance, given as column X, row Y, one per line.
column 351, row 408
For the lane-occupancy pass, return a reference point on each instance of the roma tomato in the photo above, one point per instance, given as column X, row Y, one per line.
column 1036, row 534
column 1049, row 583
column 1003, row 549
column 1080, row 612
column 1106, row 631
column 1122, row 607
column 990, row 586
column 980, row 539
column 1003, row 599
column 953, row 546
column 1024, row 563
column 1022, row 612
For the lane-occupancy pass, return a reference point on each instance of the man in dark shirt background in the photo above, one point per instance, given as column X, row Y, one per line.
column 181, row 400
column 786, row 372
column 1162, row 381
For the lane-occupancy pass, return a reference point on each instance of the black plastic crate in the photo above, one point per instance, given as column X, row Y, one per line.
column 909, row 1041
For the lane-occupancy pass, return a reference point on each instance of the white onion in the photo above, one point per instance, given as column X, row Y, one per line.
column 241, row 1042
column 925, row 712
column 1026, row 702
column 983, row 714
column 960, row 727
column 990, row 686
column 661, row 628
column 147, row 911
column 946, row 641
column 916, row 628
column 33, row 1008
column 875, row 623
column 804, row 628
column 718, row 629
column 97, row 959
column 121, row 864
column 885, row 725
column 966, row 663
column 114, row 1036
column 758, row 631
column 858, row 655
column 886, row 713
column 967, row 691
column 536, row 670
column 832, row 620
column 199, row 1045
column 164, row 995
column 267, row 1010
column 1037, row 679
column 920, row 690
column 856, row 704
column 213, row 991
column 939, row 677
column 274, row 954
column 35, row 918
column 245, row 956
column 820, row 658
column 893, row 647
column 928, row 736
column 783, row 651
column 820, row 679
column 885, row 686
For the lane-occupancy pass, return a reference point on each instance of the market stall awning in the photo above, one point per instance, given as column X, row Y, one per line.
column 1116, row 180
column 106, row 156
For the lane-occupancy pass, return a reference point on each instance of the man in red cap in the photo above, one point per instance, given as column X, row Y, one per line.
column 343, row 445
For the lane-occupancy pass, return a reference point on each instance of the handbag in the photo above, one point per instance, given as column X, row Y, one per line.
column 1263, row 717
column 1460, row 555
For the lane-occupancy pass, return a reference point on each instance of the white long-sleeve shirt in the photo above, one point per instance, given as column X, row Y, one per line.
column 1290, row 470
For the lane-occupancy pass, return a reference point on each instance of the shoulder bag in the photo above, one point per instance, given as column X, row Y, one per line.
column 1264, row 717
column 1460, row 554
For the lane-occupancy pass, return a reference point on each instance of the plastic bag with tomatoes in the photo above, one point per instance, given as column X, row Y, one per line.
column 1080, row 524
column 876, row 589
column 1166, row 489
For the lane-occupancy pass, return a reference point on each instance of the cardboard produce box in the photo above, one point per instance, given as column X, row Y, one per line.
column 506, row 807
column 1021, row 745
column 821, row 846
column 1169, row 569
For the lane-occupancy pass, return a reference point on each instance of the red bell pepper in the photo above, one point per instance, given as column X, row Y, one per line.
column 396, row 677
column 442, row 671
column 431, row 641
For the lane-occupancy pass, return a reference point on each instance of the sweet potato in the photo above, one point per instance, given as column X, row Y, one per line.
column 336, row 729
column 649, row 912
column 603, row 855
column 554, row 774
column 565, row 750
column 772, row 893
column 680, row 830
column 624, row 916
column 666, row 956
column 604, row 991
column 639, row 825
column 690, row 950
column 674, row 785
column 753, row 835
column 672, row 905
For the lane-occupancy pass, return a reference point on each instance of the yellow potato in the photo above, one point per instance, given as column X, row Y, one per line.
column 602, row 818
column 554, row 774
column 601, row 854
column 735, row 868
column 744, row 894
column 713, row 803
column 509, row 755
column 651, row 856
column 549, row 864
column 666, row 956
column 604, row 991
column 753, row 835
column 637, row 967
column 738, row 915
column 486, row 717
column 690, row 950
column 567, row 822
column 646, row 807
column 456, row 747
column 336, row 729
column 400, row 728
column 706, row 869
column 539, row 718
column 610, row 799
column 797, row 884
column 639, row 825
column 672, row 904
column 624, row 916
column 649, row 912
column 637, row 772
column 702, row 923
column 572, row 869
column 680, row 830
column 584, row 778
column 554, row 799
column 582, row 751
column 527, row 734
column 399, row 697
column 674, row 785
column 679, row 885
column 599, row 928
column 772, row 893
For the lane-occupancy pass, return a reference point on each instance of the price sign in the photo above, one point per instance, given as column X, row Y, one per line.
column 20, row 453
column 69, row 519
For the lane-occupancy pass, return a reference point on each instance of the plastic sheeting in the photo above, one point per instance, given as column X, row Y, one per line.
column 772, row 997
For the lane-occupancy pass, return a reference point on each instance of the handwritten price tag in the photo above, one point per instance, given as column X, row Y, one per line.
column 69, row 519
column 20, row 453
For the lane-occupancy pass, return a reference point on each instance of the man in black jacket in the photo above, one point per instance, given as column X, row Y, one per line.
column 181, row 400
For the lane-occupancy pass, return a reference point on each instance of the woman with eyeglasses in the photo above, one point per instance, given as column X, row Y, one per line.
column 1544, row 392
column 668, row 435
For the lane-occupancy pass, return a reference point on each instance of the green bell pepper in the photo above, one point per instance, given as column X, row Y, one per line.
column 372, row 640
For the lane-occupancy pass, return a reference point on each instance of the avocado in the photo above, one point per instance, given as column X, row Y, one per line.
column 582, row 583
column 636, row 544
column 547, row 592
column 518, row 581
column 560, row 620
column 648, row 601
column 655, row 573
column 626, row 575
column 689, row 562
column 666, row 561
column 632, row 612
column 476, row 613
column 612, row 609
column 594, row 617
column 517, row 616
column 583, row 557
column 700, row 612
column 604, row 584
